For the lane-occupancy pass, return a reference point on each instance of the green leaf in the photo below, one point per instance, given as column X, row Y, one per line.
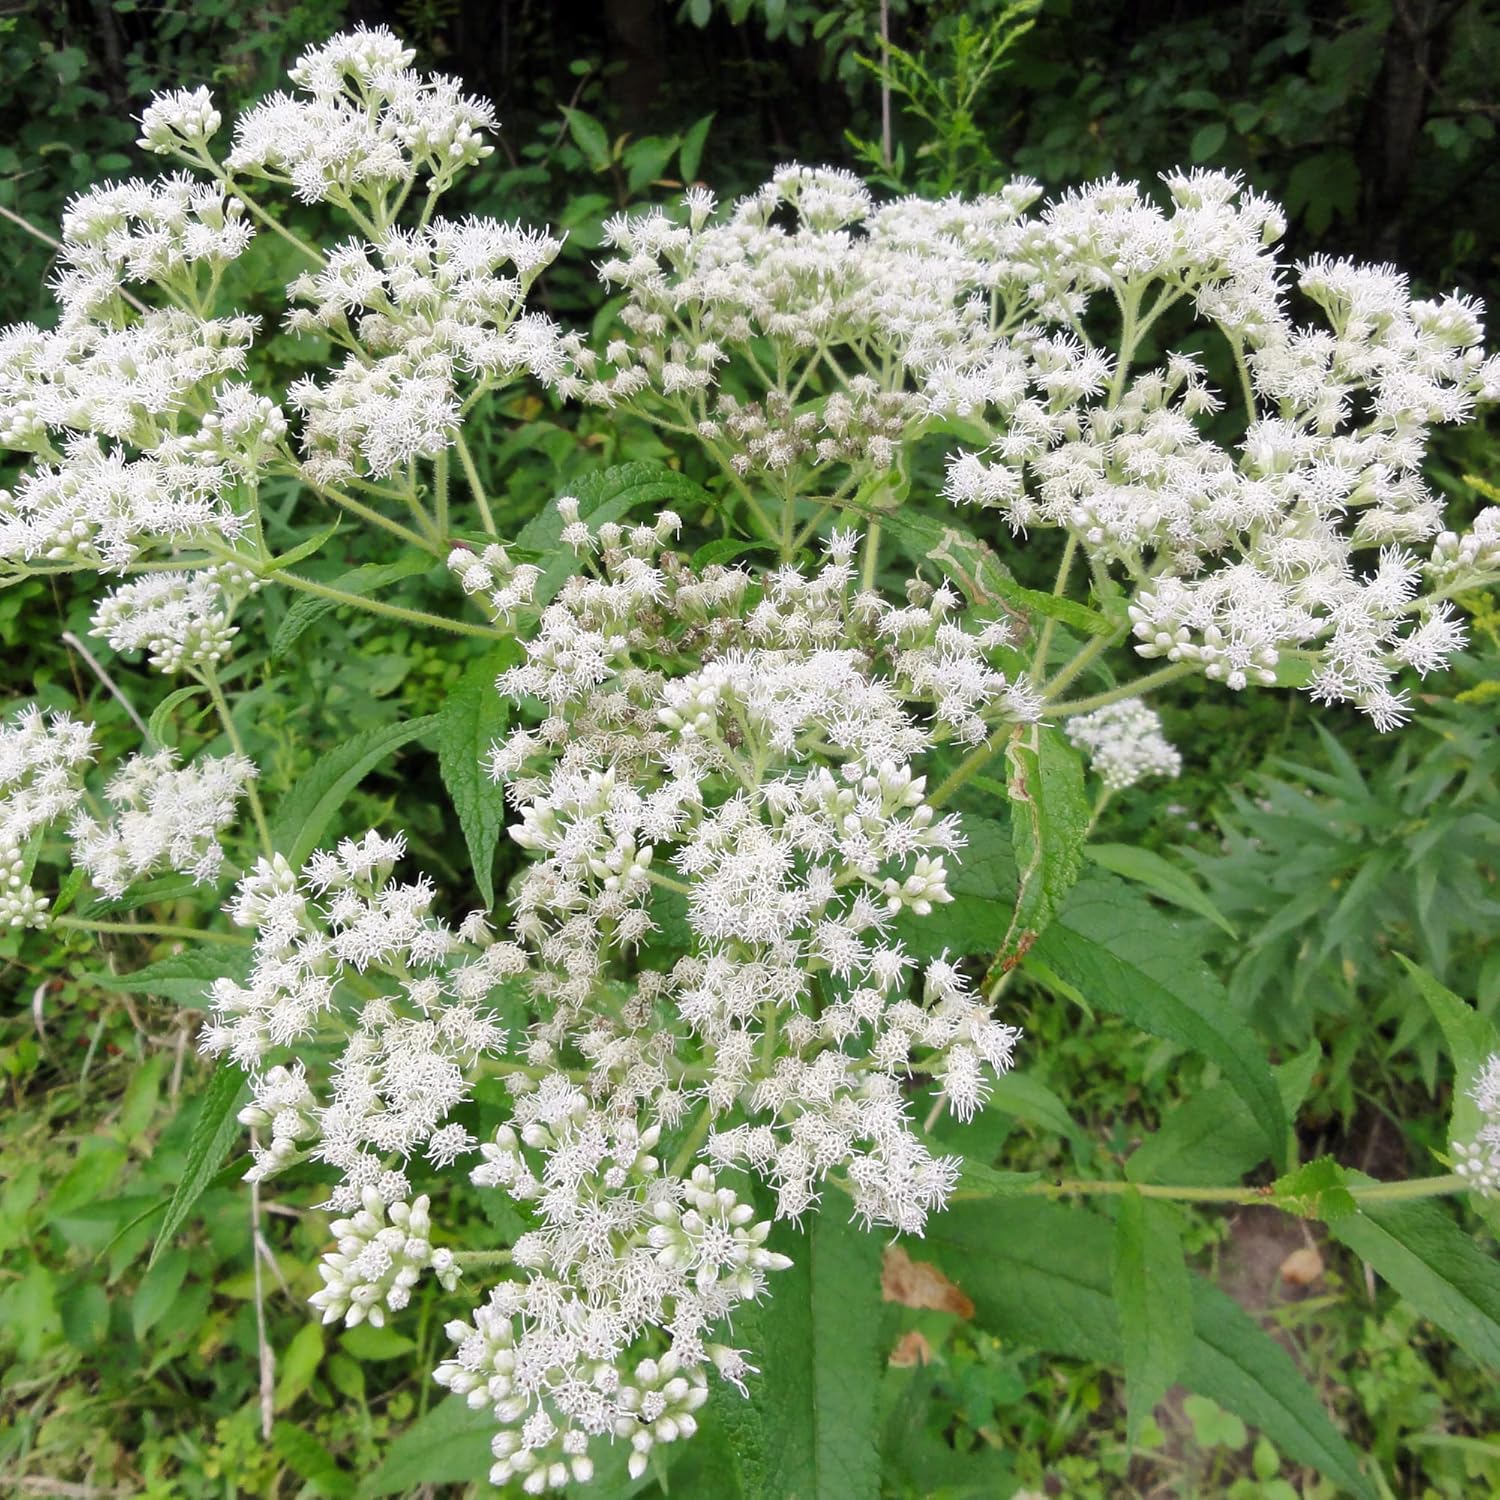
column 158, row 1290
column 589, row 136
column 1316, row 1190
column 1049, row 820
column 1234, row 1361
column 310, row 805
column 472, row 718
column 1207, row 140
column 1154, row 1295
column 298, row 1364
column 975, row 568
column 1040, row 1275
column 213, row 1134
column 448, row 1445
column 605, row 495
column 307, row 609
column 821, row 1363
column 302, row 550
column 1159, row 876
column 691, row 155
column 311, row 1461
column 1418, row 1247
column 1125, row 956
column 983, row 887
column 161, row 715
column 184, row 977
column 1211, row 1137
column 1471, row 1038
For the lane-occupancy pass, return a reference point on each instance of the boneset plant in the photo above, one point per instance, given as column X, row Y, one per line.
column 759, row 749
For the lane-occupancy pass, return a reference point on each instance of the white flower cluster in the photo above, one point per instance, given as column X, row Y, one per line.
column 43, row 760
column 1124, row 743
column 166, row 818
column 362, row 124
column 623, row 1247
column 344, row 950
column 1479, row 1160
column 377, row 1263
column 420, row 310
column 180, row 620
column 1237, row 558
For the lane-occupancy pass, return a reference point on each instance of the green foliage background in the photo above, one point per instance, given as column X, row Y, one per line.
column 1291, row 867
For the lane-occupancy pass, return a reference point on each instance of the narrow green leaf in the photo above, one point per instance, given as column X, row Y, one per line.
column 1125, row 956
column 213, row 1134
column 184, row 977
column 161, row 715
column 311, row 1461
column 301, row 551
column 307, row 609
column 1049, row 820
column 821, row 1363
column 1159, row 876
column 1471, row 1039
column 691, row 154
column 472, row 718
column 1236, row 1363
column 298, row 1364
column 1435, row 1266
column 1040, row 1274
column 1154, row 1295
column 158, row 1290
column 310, row 805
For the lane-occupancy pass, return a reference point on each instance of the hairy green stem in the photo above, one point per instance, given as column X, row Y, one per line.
column 476, row 489
column 391, row 611
column 151, row 929
column 210, row 680
column 1132, row 689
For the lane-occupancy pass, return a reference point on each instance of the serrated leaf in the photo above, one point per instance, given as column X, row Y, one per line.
column 448, row 1445
column 605, row 495
column 307, row 609
column 1039, row 1275
column 1316, row 1190
column 308, row 808
column 213, row 1134
column 1161, row 877
column 983, row 886
column 1423, row 1253
column 184, row 977
column 1471, row 1038
column 1154, row 1295
column 1126, row 957
column 311, row 1461
column 1049, row 820
column 472, row 718
column 820, row 1360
